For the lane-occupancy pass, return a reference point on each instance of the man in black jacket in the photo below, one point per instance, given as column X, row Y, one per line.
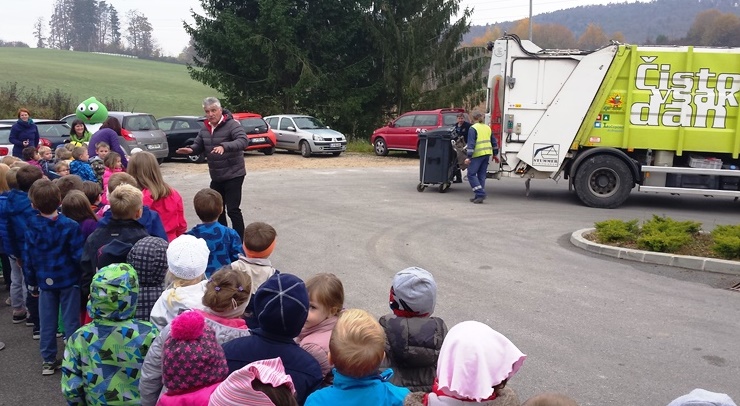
column 223, row 139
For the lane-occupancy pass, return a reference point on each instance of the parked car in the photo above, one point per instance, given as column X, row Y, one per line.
column 402, row 134
column 139, row 130
column 261, row 137
column 6, row 148
column 306, row 134
column 52, row 133
column 181, row 132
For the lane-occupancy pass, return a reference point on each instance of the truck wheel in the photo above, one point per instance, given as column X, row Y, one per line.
column 603, row 181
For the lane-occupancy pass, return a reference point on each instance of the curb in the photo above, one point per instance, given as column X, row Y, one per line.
column 659, row 258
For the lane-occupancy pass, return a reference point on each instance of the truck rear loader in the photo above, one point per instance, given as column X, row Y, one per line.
column 660, row 119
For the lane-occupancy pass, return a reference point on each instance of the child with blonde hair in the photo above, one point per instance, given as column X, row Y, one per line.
column 158, row 195
column 46, row 160
column 225, row 244
column 80, row 165
column 325, row 301
column 63, row 154
column 61, row 168
column 187, row 259
column 357, row 348
column 226, row 295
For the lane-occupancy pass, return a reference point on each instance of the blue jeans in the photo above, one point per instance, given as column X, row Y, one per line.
column 477, row 174
column 50, row 301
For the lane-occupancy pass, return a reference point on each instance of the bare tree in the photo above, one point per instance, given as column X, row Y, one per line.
column 139, row 35
column 103, row 21
column 38, row 32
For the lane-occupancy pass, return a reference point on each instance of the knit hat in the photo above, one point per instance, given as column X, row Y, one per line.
column 187, row 256
column 281, row 305
column 191, row 356
column 701, row 397
column 149, row 257
column 413, row 293
column 237, row 388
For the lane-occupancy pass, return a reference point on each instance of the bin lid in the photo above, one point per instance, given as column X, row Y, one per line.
column 442, row 132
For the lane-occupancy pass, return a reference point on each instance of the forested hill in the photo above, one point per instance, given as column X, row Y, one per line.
column 640, row 22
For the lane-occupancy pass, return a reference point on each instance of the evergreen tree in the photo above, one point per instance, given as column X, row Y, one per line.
column 115, row 30
column 83, row 23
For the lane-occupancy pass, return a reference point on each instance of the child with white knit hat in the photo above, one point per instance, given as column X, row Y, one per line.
column 187, row 259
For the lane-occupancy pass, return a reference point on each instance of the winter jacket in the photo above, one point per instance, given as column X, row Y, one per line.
column 17, row 213
column 171, row 210
column 412, row 348
column 200, row 397
column 127, row 231
column 174, row 301
column 109, row 136
column 373, row 390
column 51, row 257
column 98, row 168
column 47, row 167
column 300, row 365
column 149, row 219
column 223, row 242
column 259, row 271
column 79, row 141
column 315, row 341
column 87, row 226
column 150, row 385
column 231, row 136
column 83, row 170
column 107, row 173
column 506, row 397
column 23, row 131
column 103, row 359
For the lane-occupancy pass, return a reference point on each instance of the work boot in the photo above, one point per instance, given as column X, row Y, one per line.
column 477, row 200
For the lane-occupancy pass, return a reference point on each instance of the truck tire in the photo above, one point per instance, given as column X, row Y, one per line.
column 603, row 181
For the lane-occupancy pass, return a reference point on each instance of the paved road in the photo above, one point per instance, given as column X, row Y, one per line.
column 604, row 331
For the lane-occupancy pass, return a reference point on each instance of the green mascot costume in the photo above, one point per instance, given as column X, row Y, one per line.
column 90, row 112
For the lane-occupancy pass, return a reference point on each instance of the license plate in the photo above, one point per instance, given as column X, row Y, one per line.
column 154, row 146
column 256, row 140
column 336, row 145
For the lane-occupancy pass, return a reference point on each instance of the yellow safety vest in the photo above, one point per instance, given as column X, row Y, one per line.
column 482, row 140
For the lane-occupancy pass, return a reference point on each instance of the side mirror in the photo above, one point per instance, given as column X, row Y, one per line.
column 290, row 128
column 390, row 124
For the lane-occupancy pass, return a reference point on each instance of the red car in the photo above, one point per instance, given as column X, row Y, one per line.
column 259, row 133
column 403, row 133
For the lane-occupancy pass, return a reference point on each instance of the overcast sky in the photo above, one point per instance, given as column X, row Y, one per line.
column 17, row 17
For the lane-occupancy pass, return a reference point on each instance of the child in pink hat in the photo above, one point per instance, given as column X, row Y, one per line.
column 475, row 364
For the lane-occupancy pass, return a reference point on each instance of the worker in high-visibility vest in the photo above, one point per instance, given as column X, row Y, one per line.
column 481, row 145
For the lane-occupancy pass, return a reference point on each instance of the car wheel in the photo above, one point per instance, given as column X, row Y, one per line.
column 197, row 159
column 381, row 148
column 268, row 151
column 305, row 149
column 336, row 153
column 160, row 161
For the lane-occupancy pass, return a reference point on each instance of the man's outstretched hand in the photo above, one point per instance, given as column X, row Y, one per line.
column 184, row 151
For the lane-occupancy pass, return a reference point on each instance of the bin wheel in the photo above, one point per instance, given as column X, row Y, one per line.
column 444, row 187
column 420, row 187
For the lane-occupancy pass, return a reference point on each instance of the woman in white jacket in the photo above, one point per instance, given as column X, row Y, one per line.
column 226, row 297
column 187, row 259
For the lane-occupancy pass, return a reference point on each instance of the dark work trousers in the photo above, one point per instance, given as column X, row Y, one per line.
column 231, row 192
column 6, row 270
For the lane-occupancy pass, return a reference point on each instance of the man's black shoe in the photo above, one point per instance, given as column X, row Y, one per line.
column 477, row 200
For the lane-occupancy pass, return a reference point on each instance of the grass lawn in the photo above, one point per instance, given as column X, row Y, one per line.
column 153, row 87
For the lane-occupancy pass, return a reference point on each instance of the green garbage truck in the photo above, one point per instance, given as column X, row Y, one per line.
column 620, row 119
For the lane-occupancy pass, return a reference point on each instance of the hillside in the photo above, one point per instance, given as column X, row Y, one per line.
column 639, row 21
column 158, row 88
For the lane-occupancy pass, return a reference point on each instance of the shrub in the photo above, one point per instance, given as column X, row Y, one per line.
column 727, row 241
column 660, row 241
column 670, row 226
column 616, row 230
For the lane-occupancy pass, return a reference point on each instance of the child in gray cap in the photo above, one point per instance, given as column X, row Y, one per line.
column 413, row 336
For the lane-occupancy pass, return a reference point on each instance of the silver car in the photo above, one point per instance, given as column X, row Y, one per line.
column 138, row 130
column 306, row 134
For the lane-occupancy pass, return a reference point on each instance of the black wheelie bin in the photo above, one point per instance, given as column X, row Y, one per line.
column 437, row 159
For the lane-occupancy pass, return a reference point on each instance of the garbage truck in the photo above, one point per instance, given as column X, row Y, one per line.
column 622, row 118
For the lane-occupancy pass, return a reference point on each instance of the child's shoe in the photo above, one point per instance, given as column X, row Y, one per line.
column 19, row 317
column 36, row 335
column 48, row 368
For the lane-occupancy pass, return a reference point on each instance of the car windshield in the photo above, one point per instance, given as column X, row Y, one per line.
column 53, row 129
column 254, row 125
column 142, row 122
column 308, row 123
